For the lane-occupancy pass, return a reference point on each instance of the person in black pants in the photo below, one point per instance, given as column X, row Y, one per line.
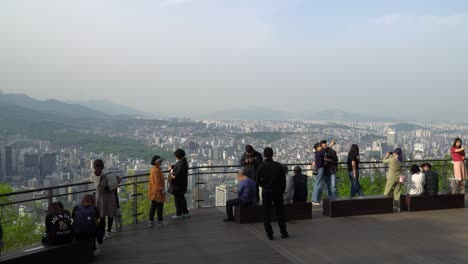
column 271, row 177
column 179, row 184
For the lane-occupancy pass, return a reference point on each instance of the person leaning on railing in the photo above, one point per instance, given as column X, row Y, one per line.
column 394, row 161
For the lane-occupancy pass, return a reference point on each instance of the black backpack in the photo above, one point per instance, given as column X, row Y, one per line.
column 84, row 223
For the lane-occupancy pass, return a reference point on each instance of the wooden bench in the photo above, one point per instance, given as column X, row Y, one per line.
column 254, row 214
column 431, row 202
column 78, row 252
column 365, row 205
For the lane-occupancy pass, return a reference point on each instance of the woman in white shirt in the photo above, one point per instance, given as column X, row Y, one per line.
column 416, row 182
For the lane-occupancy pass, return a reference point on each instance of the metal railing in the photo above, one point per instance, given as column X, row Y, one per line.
column 202, row 184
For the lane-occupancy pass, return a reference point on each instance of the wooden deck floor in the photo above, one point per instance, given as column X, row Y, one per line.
column 418, row 237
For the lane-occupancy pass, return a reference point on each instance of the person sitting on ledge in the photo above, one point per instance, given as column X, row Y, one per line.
column 300, row 186
column 245, row 195
column 416, row 182
column 432, row 180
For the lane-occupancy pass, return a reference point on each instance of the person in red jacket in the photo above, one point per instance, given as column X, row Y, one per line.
column 459, row 170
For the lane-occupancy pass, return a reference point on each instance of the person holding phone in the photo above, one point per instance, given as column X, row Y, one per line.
column 458, row 157
column 394, row 160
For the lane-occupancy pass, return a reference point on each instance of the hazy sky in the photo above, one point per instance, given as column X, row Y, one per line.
column 190, row 56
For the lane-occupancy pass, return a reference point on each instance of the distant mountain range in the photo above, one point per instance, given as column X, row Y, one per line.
column 52, row 108
column 258, row 113
column 109, row 108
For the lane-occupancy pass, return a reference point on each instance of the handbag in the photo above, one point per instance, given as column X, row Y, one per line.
column 170, row 189
column 402, row 178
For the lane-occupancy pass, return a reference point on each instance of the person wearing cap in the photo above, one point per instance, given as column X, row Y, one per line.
column 250, row 160
column 156, row 191
column 395, row 170
column 245, row 195
column 431, row 186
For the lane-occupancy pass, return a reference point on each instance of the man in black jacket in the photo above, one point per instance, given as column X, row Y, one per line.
column 271, row 177
column 251, row 159
column 179, row 184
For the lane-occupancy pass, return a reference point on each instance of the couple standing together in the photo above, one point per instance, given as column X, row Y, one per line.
column 326, row 165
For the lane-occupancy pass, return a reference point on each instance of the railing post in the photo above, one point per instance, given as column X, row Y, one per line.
column 198, row 187
column 135, row 200
column 444, row 172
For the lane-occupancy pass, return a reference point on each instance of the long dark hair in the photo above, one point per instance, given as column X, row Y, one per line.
column 455, row 142
column 415, row 169
column 354, row 150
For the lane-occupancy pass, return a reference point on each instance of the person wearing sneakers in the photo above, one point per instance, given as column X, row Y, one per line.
column 245, row 194
column 179, row 184
column 106, row 185
column 156, row 191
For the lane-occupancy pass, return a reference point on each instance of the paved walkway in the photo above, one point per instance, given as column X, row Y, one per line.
column 418, row 237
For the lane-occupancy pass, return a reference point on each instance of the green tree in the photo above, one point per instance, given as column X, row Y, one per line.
column 18, row 231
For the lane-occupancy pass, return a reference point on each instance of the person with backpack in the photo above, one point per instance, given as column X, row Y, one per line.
column 156, row 191
column 58, row 225
column 106, row 184
column 85, row 218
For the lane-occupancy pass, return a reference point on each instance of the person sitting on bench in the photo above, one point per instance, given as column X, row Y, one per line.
column 432, row 180
column 415, row 182
column 245, row 195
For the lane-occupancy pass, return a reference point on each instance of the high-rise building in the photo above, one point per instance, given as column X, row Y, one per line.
column 391, row 139
column 48, row 164
column 31, row 160
column 7, row 161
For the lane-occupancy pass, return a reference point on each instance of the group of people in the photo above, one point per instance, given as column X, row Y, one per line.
column 265, row 173
column 87, row 222
column 258, row 172
column 177, row 181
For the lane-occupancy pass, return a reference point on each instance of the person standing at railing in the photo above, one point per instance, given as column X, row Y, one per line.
column 251, row 159
column 156, row 191
column 353, row 170
column 106, row 185
column 322, row 175
column 271, row 177
column 459, row 169
column 395, row 161
column 179, row 184
column 331, row 166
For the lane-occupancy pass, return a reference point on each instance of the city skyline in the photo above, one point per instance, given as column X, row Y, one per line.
column 385, row 59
